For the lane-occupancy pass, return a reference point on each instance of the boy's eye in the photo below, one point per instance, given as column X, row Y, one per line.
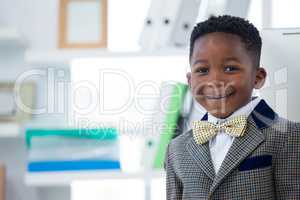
column 202, row 70
column 230, row 68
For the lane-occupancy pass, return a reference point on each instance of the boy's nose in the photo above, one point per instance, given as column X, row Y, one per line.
column 217, row 78
column 216, row 88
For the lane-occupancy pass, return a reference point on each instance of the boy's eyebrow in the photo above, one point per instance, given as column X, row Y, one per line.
column 199, row 61
column 232, row 59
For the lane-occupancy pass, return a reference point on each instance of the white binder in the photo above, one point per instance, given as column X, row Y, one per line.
column 280, row 57
column 171, row 9
column 185, row 22
column 170, row 22
column 229, row 7
column 149, row 34
column 215, row 7
column 237, row 8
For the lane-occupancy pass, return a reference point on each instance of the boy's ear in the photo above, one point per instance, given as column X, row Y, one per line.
column 260, row 78
column 188, row 77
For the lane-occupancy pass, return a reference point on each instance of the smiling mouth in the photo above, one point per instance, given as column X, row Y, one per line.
column 217, row 97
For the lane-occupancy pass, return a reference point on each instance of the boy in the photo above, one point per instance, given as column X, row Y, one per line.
column 241, row 149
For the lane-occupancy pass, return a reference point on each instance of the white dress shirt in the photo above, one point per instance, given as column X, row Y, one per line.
column 220, row 144
column 196, row 113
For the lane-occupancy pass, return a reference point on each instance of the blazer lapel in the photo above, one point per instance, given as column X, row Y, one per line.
column 201, row 155
column 239, row 150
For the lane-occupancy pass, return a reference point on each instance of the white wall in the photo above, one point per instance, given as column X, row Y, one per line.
column 36, row 20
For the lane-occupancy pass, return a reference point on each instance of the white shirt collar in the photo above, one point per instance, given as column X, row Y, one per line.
column 245, row 110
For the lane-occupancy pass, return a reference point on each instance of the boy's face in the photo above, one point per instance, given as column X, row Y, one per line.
column 222, row 73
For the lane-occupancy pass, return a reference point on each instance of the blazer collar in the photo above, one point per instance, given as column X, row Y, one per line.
column 205, row 117
column 263, row 115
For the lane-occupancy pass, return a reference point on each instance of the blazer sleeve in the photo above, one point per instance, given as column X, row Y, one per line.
column 173, row 183
column 287, row 167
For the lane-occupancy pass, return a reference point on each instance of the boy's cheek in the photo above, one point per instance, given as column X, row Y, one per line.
column 196, row 83
column 196, row 89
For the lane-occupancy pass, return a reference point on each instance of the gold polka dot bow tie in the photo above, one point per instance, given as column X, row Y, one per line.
column 203, row 131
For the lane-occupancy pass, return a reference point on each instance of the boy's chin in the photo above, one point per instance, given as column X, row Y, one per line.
column 220, row 114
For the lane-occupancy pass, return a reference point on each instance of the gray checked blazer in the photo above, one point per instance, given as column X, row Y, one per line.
column 263, row 164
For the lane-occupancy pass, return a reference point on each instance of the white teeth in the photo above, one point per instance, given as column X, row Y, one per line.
column 209, row 97
column 217, row 97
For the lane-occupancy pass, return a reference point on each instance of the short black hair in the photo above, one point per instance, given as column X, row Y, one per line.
column 234, row 25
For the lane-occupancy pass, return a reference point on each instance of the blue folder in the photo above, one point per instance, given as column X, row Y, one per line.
column 74, row 165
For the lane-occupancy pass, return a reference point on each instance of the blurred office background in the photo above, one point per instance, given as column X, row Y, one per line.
column 92, row 91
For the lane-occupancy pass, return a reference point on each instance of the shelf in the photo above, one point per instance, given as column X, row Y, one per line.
column 46, row 179
column 11, row 38
column 58, row 57
column 63, row 57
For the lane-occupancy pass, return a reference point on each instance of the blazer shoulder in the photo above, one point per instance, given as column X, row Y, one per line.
column 178, row 144
column 284, row 131
column 286, row 126
column 293, row 132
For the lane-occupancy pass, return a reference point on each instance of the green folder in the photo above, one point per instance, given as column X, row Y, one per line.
column 171, row 119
